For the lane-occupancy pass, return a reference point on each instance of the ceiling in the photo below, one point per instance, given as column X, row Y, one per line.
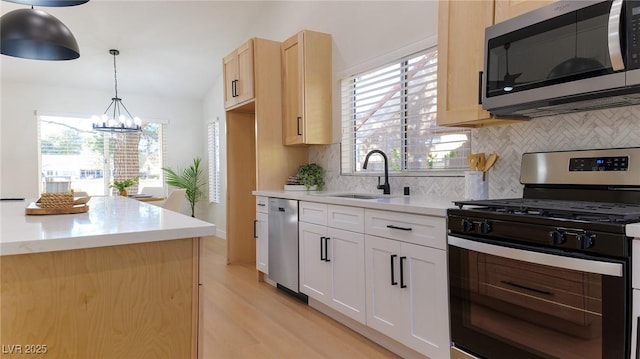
column 167, row 48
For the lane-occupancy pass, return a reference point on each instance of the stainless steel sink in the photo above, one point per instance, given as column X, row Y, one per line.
column 358, row 196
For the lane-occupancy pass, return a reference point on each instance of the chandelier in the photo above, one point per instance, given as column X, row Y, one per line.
column 116, row 117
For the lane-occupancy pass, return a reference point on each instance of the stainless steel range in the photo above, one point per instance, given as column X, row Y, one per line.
column 550, row 275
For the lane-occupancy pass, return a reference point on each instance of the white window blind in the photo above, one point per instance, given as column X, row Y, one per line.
column 214, row 161
column 393, row 109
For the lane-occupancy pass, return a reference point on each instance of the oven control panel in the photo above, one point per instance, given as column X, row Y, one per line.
column 619, row 163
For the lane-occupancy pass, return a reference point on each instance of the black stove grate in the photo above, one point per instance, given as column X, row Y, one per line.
column 573, row 210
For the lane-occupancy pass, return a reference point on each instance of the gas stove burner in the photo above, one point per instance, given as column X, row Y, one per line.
column 561, row 209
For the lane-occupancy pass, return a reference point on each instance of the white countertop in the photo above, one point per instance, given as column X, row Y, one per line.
column 109, row 221
column 633, row 230
column 432, row 206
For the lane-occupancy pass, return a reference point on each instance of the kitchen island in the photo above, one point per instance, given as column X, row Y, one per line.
column 120, row 281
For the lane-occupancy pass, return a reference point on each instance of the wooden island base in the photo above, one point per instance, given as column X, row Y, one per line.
column 126, row 301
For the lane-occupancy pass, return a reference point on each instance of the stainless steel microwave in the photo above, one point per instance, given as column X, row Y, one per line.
column 568, row 56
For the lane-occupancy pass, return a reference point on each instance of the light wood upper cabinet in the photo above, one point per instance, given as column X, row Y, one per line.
column 506, row 9
column 238, row 75
column 306, row 100
column 461, row 27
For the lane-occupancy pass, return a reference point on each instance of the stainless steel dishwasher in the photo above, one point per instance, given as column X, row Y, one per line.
column 283, row 245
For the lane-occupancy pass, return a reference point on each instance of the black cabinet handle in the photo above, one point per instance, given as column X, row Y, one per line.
column 402, row 285
column 400, row 228
column 326, row 249
column 638, row 339
column 298, row 130
column 322, row 256
column 261, row 204
column 393, row 280
column 233, row 88
column 255, row 233
column 480, row 87
column 513, row 284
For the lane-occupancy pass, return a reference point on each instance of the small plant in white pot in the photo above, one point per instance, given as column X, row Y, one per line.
column 311, row 175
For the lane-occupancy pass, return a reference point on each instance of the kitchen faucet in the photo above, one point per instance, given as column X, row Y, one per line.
column 385, row 186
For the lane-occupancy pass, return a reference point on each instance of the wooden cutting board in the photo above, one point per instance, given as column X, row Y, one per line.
column 34, row 209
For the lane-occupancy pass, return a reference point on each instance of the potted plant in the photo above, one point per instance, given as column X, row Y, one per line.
column 311, row 175
column 191, row 179
column 122, row 186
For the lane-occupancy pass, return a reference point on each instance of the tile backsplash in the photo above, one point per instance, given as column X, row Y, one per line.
column 611, row 128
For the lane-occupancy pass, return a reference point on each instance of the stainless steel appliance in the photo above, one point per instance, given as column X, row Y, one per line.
column 549, row 275
column 565, row 57
column 283, row 245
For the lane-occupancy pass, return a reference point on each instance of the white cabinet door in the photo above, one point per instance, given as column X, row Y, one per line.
column 262, row 242
column 346, row 258
column 314, row 269
column 406, row 294
column 383, row 294
column 425, row 297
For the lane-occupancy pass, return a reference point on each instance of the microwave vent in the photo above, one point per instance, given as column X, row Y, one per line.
column 580, row 106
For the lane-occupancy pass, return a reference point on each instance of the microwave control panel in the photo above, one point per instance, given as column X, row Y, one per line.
column 620, row 163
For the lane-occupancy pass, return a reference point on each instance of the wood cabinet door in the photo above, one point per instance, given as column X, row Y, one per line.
column 262, row 242
column 314, row 271
column 384, row 297
column 346, row 257
column 293, row 126
column 238, row 75
column 461, row 27
column 507, row 9
column 426, row 301
column 244, row 86
column 230, row 75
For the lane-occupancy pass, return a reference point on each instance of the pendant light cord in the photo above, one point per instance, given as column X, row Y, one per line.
column 115, row 73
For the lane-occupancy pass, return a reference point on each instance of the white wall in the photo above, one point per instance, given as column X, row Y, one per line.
column 364, row 33
column 18, row 127
column 213, row 109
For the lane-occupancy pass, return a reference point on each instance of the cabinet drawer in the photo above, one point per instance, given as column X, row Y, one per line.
column 347, row 218
column 312, row 212
column 412, row 228
column 262, row 204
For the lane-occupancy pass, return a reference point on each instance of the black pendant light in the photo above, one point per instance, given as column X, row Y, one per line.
column 114, row 118
column 49, row 3
column 35, row 34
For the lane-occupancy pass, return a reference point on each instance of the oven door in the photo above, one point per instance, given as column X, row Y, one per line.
column 518, row 303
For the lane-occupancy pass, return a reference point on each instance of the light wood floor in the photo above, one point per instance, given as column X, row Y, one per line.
column 247, row 319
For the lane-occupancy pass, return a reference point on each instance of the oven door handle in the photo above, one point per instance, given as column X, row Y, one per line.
column 579, row 264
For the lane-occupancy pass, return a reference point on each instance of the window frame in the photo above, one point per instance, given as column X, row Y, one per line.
column 213, row 150
column 349, row 157
column 106, row 174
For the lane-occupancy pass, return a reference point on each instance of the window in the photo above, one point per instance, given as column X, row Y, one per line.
column 70, row 151
column 213, row 134
column 393, row 108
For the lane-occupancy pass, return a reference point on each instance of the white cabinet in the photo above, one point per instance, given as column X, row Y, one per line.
column 261, row 234
column 332, row 259
column 406, row 283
